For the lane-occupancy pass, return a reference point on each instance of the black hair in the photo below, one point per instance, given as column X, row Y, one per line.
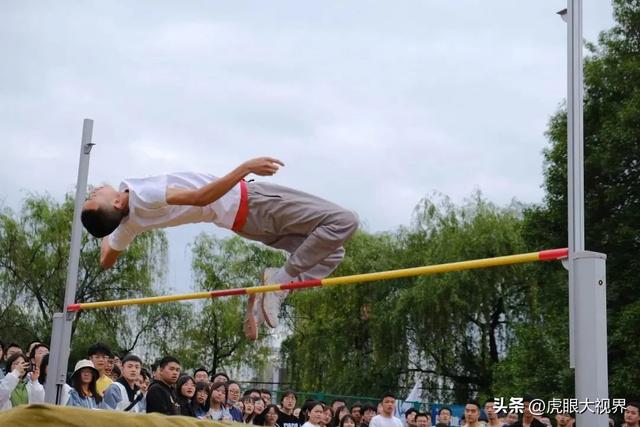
column 181, row 381
column 527, row 398
column 633, row 403
column 32, row 354
column 288, row 393
column 43, row 369
column 265, row 391
column 473, row 402
column 445, row 408
column 99, row 348
column 368, row 407
column 388, row 395
column 490, row 400
column 199, row 387
column 266, row 409
column 14, row 357
column 248, row 419
column 76, row 383
column 336, row 415
column 144, row 373
column 115, row 371
column 338, row 399
column 155, row 364
column 259, row 419
column 422, row 414
column 200, row 369
column 101, row 222
column 230, row 383
column 166, row 360
column 410, row 411
column 131, row 358
column 307, row 406
column 14, row 345
column 222, row 374
column 216, row 386
column 348, row 416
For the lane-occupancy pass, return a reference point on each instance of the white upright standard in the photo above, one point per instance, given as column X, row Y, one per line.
column 62, row 322
column 587, row 279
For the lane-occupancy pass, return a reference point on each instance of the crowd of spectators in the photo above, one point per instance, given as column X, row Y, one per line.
column 105, row 381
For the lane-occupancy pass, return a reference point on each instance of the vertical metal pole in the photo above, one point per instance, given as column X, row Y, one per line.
column 62, row 324
column 591, row 336
column 575, row 153
column 587, row 275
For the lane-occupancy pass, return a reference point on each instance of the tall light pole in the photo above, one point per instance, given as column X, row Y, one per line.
column 587, row 270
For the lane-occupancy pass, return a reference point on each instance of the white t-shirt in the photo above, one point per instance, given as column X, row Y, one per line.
column 148, row 208
column 382, row 421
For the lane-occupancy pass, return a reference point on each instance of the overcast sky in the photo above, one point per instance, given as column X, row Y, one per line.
column 370, row 104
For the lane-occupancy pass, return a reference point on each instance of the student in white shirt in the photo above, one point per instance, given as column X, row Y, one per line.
column 311, row 229
column 386, row 418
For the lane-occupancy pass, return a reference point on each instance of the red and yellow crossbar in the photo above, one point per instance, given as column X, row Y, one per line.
column 548, row 255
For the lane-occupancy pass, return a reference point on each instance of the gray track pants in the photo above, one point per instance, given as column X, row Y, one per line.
column 311, row 229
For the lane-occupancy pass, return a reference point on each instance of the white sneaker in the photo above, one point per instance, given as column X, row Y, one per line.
column 271, row 301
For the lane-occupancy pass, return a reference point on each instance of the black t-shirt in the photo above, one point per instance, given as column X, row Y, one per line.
column 161, row 398
column 285, row 420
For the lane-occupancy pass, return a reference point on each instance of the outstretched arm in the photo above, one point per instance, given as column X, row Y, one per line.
column 211, row 192
column 108, row 255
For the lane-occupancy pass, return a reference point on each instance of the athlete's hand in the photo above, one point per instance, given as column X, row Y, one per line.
column 263, row 166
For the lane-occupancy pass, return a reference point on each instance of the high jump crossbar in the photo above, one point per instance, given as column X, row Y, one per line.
column 546, row 255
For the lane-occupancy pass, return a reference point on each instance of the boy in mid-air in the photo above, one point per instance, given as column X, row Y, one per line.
column 311, row 229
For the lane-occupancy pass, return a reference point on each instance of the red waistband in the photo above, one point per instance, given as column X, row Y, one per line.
column 243, row 209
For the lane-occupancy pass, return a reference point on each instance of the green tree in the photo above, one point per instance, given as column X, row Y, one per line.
column 341, row 340
column 453, row 329
column 214, row 335
column 34, row 251
column 612, row 193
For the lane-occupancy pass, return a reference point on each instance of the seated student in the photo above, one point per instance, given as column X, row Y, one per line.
column 161, row 396
column 258, row 411
column 247, row 411
column 217, row 400
column 410, row 417
column 271, row 415
column 201, row 399
column 340, row 413
column 314, row 414
column 185, row 393
column 423, row 420
column 201, row 375
column 99, row 355
column 444, row 415
column 17, row 388
column 347, row 421
column 233, row 401
column 368, row 412
column 125, row 394
column 84, row 392
column 356, row 412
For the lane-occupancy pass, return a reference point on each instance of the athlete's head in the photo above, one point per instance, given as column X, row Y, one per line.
column 103, row 210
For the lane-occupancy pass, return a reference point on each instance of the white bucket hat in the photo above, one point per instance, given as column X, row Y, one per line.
column 84, row 363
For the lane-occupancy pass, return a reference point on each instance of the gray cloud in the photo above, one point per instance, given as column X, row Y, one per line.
column 371, row 104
